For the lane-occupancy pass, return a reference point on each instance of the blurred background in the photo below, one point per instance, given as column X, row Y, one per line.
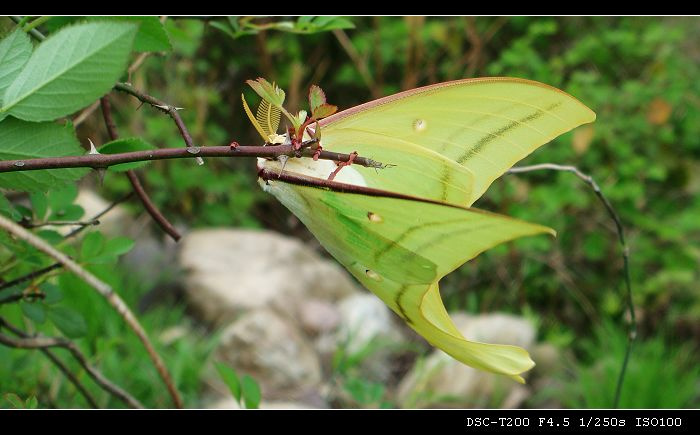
column 223, row 295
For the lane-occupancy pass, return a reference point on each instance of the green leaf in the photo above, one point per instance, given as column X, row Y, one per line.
column 52, row 293
column 229, row 376
column 330, row 23
column 60, row 198
column 15, row 50
column 124, row 146
column 32, row 403
column 118, row 246
column 39, row 205
column 14, row 400
column 316, row 97
column 34, row 310
column 112, row 249
column 8, row 209
column 26, row 140
column 305, row 19
column 324, row 110
column 91, row 58
column 267, row 91
column 68, row 321
column 151, row 35
column 51, row 236
column 93, row 245
column 251, row 392
column 224, row 28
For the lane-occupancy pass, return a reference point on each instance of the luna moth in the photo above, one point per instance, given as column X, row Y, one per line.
column 399, row 230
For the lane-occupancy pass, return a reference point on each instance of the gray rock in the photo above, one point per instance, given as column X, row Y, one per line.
column 442, row 381
column 364, row 317
column 318, row 317
column 269, row 347
column 230, row 271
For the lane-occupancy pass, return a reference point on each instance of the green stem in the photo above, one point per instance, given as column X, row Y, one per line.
column 36, row 23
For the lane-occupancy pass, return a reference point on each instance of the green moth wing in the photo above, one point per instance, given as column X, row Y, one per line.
column 399, row 230
column 400, row 247
column 451, row 140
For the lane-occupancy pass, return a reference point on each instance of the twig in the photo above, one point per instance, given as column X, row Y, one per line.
column 60, row 223
column 99, row 215
column 148, row 204
column 163, row 107
column 632, row 331
column 19, row 296
column 103, row 289
column 29, row 276
column 40, row 272
column 43, row 343
column 151, row 208
column 102, row 161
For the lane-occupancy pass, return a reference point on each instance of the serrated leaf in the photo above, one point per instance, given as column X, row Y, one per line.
column 251, row 392
column 34, row 311
column 26, row 140
column 93, row 245
column 324, row 110
column 92, row 57
column 316, row 97
column 14, row 400
column 15, row 51
column 52, row 293
column 124, row 146
column 68, row 321
column 229, row 376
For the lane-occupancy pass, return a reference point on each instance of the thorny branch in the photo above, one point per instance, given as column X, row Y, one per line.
column 632, row 331
column 150, row 207
column 44, row 343
column 102, row 161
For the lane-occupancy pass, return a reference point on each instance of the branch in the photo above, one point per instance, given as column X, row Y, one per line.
column 104, row 290
column 163, row 107
column 102, row 161
column 29, row 276
column 150, row 207
column 632, row 332
column 40, row 272
column 43, row 343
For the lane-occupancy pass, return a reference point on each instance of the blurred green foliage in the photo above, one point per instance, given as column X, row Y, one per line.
column 639, row 74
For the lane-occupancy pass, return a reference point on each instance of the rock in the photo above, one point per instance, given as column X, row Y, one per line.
column 231, row 271
column 364, row 317
column 269, row 347
column 441, row 381
column 317, row 316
